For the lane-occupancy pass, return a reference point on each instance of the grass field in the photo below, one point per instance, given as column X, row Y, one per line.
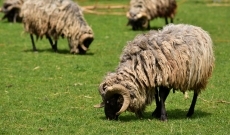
column 54, row 93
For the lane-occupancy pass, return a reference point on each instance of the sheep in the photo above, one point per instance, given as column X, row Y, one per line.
column 11, row 10
column 142, row 11
column 54, row 18
column 178, row 57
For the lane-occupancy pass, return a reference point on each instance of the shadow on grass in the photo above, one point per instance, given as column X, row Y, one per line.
column 176, row 114
column 127, row 118
column 146, row 30
column 66, row 52
column 156, row 28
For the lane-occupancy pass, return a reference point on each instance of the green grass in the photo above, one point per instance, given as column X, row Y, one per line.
column 54, row 93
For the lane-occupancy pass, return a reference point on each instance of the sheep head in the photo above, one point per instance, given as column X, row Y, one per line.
column 137, row 17
column 85, row 41
column 10, row 5
column 11, row 9
column 81, row 46
column 116, row 99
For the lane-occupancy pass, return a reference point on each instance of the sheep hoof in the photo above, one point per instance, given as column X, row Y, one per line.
column 190, row 113
column 54, row 48
column 35, row 51
column 163, row 118
column 156, row 113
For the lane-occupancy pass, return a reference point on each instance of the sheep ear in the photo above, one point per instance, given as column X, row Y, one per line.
column 99, row 105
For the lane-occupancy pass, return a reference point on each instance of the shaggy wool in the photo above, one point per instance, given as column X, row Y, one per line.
column 178, row 57
column 54, row 18
column 153, row 8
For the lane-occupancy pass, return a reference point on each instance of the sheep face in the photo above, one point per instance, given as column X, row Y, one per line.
column 137, row 18
column 112, row 106
column 11, row 11
column 141, row 23
column 80, row 46
column 116, row 99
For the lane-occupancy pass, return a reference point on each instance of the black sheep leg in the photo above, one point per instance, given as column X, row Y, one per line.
column 157, row 112
column 171, row 20
column 33, row 44
column 166, row 20
column 160, row 111
column 191, row 109
column 163, row 93
column 148, row 25
column 54, row 46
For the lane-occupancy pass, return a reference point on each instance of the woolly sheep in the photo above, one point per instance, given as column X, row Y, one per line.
column 178, row 57
column 54, row 18
column 142, row 11
column 11, row 10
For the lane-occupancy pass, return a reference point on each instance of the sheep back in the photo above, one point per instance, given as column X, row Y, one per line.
column 180, row 56
column 53, row 17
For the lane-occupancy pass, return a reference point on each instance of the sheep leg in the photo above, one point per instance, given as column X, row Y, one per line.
column 171, row 20
column 134, row 27
column 157, row 112
column 15, row 17
column 33, row 44
column 191, row 109
column 160, row 111
column 54, row 46
column 148, row 25
column 166, row 20
column 163, row 93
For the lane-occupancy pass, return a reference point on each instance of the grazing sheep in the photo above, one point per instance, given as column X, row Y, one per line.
column 11, row 10
column 142, row 11
column 179, row 57
column 54, row 18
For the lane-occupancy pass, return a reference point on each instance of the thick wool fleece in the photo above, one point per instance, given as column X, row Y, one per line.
column 54, row 18
column 178, row 56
